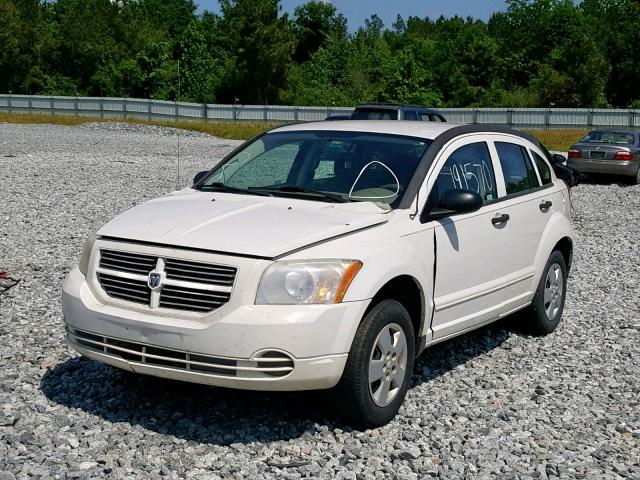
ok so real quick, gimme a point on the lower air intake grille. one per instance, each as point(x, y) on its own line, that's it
point(269, 364)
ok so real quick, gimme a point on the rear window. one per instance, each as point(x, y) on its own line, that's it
point(616, 138)
point(375, 114)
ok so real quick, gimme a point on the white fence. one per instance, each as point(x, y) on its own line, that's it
point(113, 108)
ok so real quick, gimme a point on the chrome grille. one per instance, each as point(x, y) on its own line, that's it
point(182, 298)
point(186, 285)
point(268, 364)
point(127, 262)
point(199, 272)
point(125, 288)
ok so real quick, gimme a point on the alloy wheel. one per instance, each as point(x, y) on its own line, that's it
point(553, 291)
point(387, 364)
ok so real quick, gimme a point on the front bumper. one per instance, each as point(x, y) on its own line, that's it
point(614, 167)
point(233, 350)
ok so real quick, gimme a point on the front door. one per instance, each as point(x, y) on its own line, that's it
point(474, 266)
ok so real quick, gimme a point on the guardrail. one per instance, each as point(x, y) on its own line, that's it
point(150, 109)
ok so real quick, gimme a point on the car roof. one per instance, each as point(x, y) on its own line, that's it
point(397, 106)
point(427, 130)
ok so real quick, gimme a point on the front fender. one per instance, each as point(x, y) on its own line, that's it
point(383, 259)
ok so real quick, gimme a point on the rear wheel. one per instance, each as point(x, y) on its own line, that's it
point(380, 363)
point(548, 302)
point(635, 180)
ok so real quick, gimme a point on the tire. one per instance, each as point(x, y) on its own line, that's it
point(635, 180)
point(356, 399)
point(548, 303)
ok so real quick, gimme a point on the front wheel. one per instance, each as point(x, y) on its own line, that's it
point(379, 367)
point(548, 302)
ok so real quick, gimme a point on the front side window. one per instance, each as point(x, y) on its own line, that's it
point(468, 168)
point(519, 175)
point(323, 165)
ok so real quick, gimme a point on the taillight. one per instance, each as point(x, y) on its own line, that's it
point(574, 153)
point(623, 156)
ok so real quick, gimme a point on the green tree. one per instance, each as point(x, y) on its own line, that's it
point(197, 67)
point(261, 43)
point(315, 25)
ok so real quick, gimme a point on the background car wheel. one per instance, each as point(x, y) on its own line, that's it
point(635, 180)
point(380, 363)
point(548, 302)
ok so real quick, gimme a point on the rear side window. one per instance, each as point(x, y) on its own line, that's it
point(410, 115)
point(519, 175)
point(469, 168)
point(543, 168)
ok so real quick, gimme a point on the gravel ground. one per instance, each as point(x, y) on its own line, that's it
point(492, 404)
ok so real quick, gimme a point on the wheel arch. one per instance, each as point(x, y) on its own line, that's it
point(407, 290)
point(558, 235)
point(565, 247)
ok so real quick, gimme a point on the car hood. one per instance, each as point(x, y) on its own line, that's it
point(241, 224)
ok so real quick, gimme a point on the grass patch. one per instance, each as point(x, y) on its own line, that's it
point(558, 140)
point(44, 118)
point(232, 130)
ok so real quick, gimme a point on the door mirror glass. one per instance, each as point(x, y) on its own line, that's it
point(456, 202)
point(199, 176)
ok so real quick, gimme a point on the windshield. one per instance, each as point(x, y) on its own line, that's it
point(619, 138)
point(323, 165)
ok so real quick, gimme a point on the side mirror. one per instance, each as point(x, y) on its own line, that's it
point(557, 158)
point(199, 176)
point(455, 202)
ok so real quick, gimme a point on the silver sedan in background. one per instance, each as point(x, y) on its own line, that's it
point(613, 151)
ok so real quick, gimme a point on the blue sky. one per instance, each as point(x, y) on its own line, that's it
point(357, 10)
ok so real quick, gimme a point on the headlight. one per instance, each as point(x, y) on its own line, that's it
point(306, 282)
point(86, 253)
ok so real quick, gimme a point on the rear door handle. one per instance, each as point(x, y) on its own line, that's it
point(544, 206)
point(500, 219)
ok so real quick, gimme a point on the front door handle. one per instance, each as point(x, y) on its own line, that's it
point(500, 219)
point(544, 206)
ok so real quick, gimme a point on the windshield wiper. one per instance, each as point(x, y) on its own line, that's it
point(221, 187)
point(304, 191)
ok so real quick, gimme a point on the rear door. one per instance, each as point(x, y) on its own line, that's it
point(529, 200)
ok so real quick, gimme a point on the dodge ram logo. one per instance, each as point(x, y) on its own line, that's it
point(154, 280)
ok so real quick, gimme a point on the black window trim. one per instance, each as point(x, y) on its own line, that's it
point(420, 174)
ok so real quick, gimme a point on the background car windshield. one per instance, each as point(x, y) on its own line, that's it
point(353, 165)
point(621, 138)
point(375, 114)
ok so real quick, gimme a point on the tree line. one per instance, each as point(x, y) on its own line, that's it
point(537, 53)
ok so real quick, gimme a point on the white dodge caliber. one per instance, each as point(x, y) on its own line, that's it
point(328, 256)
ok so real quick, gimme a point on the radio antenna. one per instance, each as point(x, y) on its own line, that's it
point(177, 125)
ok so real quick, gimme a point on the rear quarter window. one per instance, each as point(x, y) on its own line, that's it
point(543, 168)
